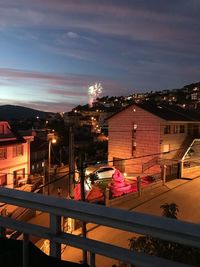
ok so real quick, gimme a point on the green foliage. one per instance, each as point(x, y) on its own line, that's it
point(170, 210)
point(166, 249)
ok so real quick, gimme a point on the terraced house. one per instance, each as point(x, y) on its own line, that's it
point(144, 137)
point(14, 156)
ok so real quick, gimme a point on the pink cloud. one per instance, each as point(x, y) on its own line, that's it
point(70, 79)
point(71, 88)
point(66, 93)
point(75, 80)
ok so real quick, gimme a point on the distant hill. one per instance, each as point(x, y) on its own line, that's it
point(10, 112)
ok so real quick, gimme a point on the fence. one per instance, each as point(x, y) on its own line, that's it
point(163, 228)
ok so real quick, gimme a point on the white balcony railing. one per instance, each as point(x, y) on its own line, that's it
point(167, 229)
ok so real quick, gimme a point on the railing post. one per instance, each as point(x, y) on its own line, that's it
point(163, 173)
point(107, 197)
point(92, 259)
point(139, 185)
point(2, 232)
point(84, 228)
point(3, 229)
point(25, 250)
point(55, 225)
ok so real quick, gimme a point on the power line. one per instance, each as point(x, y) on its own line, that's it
point(144, 156)
point(122, 159)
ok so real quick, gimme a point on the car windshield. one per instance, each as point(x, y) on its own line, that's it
point(104, 170)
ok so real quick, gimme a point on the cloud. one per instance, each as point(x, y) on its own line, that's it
point(154, 21)
point(66, 93)
point(75, 80)
point(72, 35)
point(136, 43)
point(71, 88)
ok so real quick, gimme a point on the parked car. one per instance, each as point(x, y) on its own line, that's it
point(91, 169)
point(103, 173)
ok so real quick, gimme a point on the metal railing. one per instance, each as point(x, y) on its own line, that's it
point(159, 227)
point(147, 165)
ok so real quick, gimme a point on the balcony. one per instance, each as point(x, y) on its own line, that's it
point(163, 228)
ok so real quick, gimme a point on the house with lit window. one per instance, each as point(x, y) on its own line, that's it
point(14, 156)
point(144, 137)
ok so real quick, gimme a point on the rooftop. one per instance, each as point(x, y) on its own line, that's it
point(167, 112)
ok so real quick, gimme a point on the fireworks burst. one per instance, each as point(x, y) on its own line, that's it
point(93, 92)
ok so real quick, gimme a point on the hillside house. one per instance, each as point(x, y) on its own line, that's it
point(14, 156)
point(143, 137)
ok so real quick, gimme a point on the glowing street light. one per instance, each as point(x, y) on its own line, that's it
point(52, 140)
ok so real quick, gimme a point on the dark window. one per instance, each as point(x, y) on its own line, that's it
point(18, 175)
point(1, 129)
point(167, 129)
point(3, 153)
point(18, 150)
point(3, 180)
point(182, 128)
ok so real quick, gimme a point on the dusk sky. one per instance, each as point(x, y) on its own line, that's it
point(52, 50)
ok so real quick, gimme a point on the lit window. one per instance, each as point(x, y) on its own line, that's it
point(135, 126)
point(3, 153)
point(182, 128)
point(18, 150)
point(166, 148)
point(167, 129)
point(134, 145)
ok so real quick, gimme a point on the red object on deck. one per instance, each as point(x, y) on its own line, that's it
point(94, 195)
point(119, 187)
point(77, 192)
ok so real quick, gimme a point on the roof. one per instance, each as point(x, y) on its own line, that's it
point(10, 142)
point(167, 112)
point(10, 136)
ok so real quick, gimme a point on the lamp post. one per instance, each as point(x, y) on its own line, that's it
point(51, 141)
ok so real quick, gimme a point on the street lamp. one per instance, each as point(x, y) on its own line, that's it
point(51, 141)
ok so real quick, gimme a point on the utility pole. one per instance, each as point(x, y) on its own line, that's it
point(49, 167)
point(71, 161)
point(51, 140)
point(84, 229)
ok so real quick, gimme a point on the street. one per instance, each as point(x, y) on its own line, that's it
point(186, 196)
point(63, 181)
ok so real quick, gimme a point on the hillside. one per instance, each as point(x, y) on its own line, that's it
point(10, 112)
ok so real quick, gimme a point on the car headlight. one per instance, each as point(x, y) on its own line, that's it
point(87, 173)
